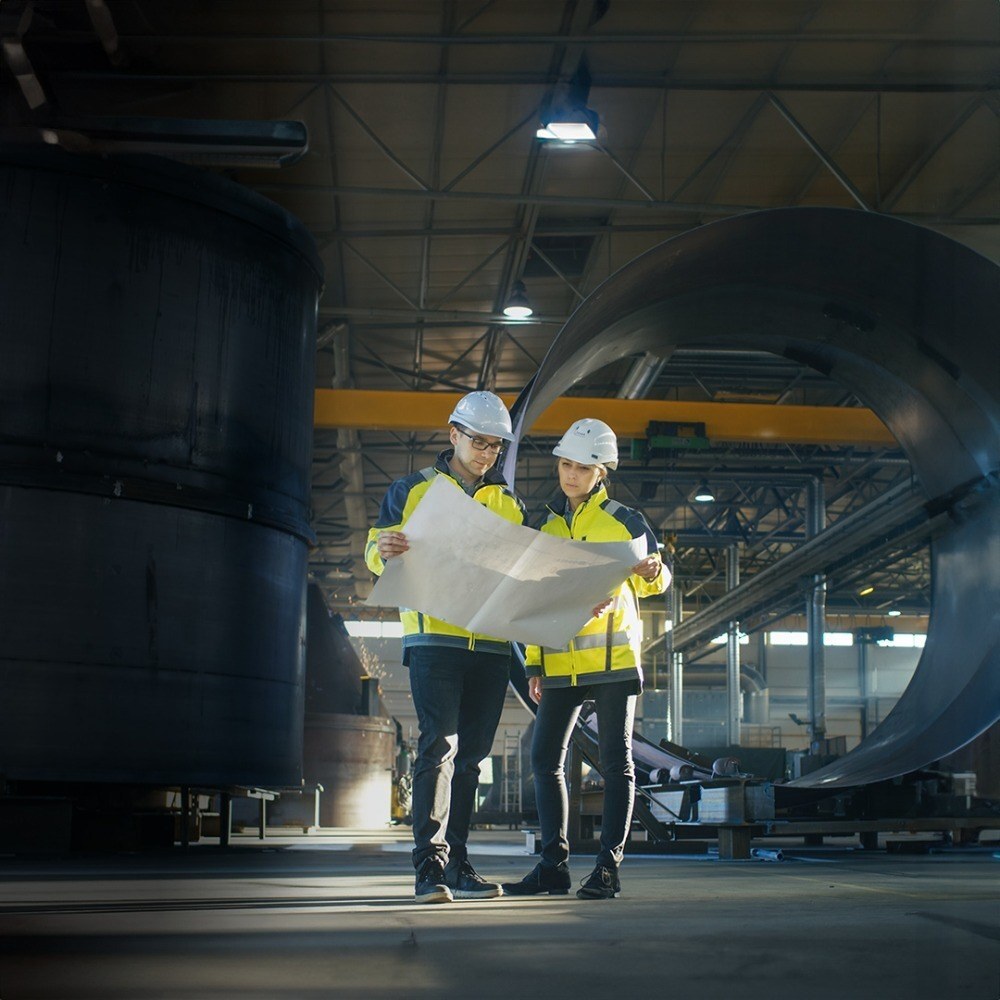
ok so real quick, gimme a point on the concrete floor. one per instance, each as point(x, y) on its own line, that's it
point(332, 916)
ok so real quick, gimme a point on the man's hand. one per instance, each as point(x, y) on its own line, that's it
point(392, 543)
point(535, 689)
point(649, 568)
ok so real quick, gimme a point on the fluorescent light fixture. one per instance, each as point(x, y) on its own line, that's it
point(518, 306)
point(894, 613)
point(569, 124)
point(865, 591)
point(568, 132)
point(704, 493)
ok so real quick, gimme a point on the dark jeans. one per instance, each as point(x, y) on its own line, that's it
point(458, 695)
point(557, 714)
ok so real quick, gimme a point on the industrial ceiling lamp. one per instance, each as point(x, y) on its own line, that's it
point(518, 306)
point(704, 493)
point(569, 125)
point(566, 117)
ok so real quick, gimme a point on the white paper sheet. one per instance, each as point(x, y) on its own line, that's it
point(470, 567)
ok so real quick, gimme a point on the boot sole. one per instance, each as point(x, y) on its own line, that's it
point(467, 894)
point(536, 892)
point(442, 896)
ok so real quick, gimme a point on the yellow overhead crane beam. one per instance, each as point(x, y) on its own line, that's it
point(388, 410)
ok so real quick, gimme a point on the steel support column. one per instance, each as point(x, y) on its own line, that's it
point(864, 688)
point(733, 694)
point(816, 621)
point(676, 662)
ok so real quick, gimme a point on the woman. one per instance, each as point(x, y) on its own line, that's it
point(602, 663)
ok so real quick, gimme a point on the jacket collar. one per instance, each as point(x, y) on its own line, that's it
point(559, 505)
point(491, 478)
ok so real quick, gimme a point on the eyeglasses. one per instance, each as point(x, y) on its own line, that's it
point(481, 444)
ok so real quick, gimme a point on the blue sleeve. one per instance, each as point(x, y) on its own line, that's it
point(391, 512)
point(637, 527)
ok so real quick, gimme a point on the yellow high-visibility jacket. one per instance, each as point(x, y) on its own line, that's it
point(607, 647)
point(398, 504)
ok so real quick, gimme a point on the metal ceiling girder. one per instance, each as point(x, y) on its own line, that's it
point(578, 201)
point(904, 183)
point(104, 27)
point(429, 317)
point(905, 318)
point(824, 157)
point(901, 507)
point(603, 38)
point(639, 80)
point(380, 145)
point(15, 19)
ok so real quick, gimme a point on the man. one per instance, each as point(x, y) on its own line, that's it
point(458, 679)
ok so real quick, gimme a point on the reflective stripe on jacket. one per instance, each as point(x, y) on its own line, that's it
point(607, 647)
point(398, 504)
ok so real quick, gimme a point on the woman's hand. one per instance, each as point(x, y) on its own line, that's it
point(392, 543)
point(648, 569)
point(599, 609)
point(535, 689)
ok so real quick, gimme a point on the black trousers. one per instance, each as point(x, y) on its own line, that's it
point(458, 695)
point(557, 714)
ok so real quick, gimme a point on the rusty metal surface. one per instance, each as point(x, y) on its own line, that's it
point(906, 319)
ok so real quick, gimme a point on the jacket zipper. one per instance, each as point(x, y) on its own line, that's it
point(572, 643)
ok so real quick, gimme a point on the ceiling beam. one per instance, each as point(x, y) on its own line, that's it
point(368, 409)
point(980, 84)
point(574, 201)
point(898, 516)
point(582, 38)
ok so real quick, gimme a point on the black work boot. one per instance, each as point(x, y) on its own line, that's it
point(601, 883)
point(551, 879)
point(466, 883)
point(431, 886)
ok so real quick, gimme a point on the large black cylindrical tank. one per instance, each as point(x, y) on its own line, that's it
point(156, 380)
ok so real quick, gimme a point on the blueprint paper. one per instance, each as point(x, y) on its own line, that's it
point(472, 568)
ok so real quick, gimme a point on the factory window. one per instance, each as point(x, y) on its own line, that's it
point(905, 640)
point(720, 640)
point(838, 639)
point(787, 638)
point(777, 638)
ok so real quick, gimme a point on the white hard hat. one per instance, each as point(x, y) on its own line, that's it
point(483, 413)
point(590, 442)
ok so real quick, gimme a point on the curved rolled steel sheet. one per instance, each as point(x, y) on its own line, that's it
point(905, 318)
point(155, 445)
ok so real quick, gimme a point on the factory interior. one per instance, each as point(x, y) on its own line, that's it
point(253, 254)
